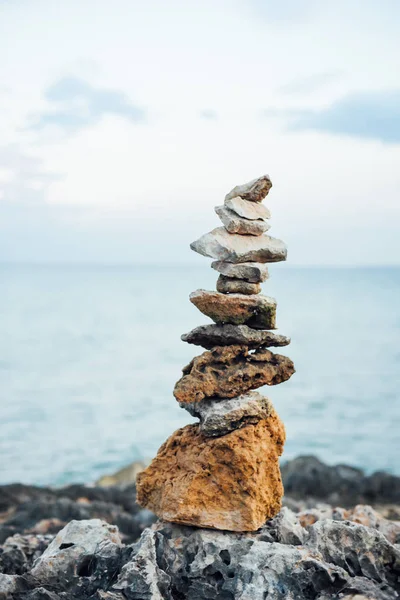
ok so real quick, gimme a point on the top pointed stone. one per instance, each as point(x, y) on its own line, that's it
point(255, 190)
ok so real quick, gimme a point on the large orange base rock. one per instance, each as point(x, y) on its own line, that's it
point(231, 482)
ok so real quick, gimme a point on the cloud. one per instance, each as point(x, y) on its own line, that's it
point(79, 105)
point(312, 83)
point(209, 114)
point(23, 179)
point(369, 115)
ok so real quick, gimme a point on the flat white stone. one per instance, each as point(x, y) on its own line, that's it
point(235, 224)
point(255, 190)
point(234, 248)
point(247, 209)
point(252, 272)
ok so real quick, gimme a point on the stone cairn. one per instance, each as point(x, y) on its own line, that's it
point(223, 472)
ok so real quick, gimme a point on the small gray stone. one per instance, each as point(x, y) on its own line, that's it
point(235, 224)
point(252, 272)
point(234, 248)
point(228, 285)
point(209, 336)
point(247, 210)
point(255, 190)
point(219, 416)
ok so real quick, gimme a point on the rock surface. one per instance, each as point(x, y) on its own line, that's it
point(230, 247)
point(230, 482)
point(230, 371)
point(252, 272)
point(255, 190)
point(236, 224)
point(228, 285)
point(174, 562)
point(212, 335)
point(222, 415)
point(247, 210)
point(256, 311)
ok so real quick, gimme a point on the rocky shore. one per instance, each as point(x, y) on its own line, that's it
point(337, 536)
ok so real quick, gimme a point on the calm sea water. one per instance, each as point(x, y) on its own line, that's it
point(89, 358)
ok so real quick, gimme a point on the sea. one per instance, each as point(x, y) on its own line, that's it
point(89, 356)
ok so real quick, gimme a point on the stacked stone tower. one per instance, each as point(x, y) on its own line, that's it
point(223, 472)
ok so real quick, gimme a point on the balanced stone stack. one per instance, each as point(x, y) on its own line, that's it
point(223, 472)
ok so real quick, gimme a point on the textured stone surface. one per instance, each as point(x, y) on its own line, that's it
point(236, 224)
point(228, 285)
point(226, 372)
point(247, 210)
point(220, 416)
point(230, 482)
point(209, 336)
point(252, 272)
point(71, 554)
point(230, 247)
point(256, 311)
point(255, 190)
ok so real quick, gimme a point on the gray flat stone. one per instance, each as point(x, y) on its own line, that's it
point(252, 272)
point(228, 285)
point(219, 416)
point(209, 336)
point(256, 311)
point(234, 248)
point(255, 190)
point(246, 209)
point(235, 224)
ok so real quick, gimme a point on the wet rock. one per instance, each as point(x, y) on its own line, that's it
point(220, 416)
point(228, 285)
point(230, 482)
point(230, 371)
point(83, 557)
point(209, 336)
point(258, 311)
point(236, 224)
point(247, 210)
point(234, 248)
point(255, 190)
point(252, 272)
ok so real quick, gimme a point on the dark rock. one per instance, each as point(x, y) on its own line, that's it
point(308, 477)
point(213, 335)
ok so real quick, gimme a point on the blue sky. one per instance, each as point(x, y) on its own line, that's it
point(123, 124)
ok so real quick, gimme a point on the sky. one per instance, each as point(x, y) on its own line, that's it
point(122, 125)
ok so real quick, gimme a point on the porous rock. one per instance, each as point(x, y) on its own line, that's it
point(234, 248)
point(228, 285)
point(257, 311)
point(83, 548)
point(236, 224)
point(219, 416)
point(230, 482)
point(229, 371)
point(252, 272)
point(247, 210)
point(212, 335)
point(255, 190)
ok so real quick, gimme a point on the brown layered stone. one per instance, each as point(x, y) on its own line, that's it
point(256, 311)
point(213, 335)
point(230, 482)
point(228, 285)
point(226, 372)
